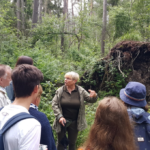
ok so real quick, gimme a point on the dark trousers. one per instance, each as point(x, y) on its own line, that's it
point(72, 136)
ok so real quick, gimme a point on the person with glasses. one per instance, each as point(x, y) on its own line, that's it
point(69, 109)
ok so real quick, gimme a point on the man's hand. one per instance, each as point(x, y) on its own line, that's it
point(62, 121)
point(92, 93)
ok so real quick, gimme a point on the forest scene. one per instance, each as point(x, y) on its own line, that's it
point(107, 42)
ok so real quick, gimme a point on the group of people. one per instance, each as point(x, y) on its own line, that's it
point(119, 124)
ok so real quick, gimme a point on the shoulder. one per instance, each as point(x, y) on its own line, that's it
point(80, 88)
point(28, 124)
point(40, 116)
point(60, 89)
point(1, 94)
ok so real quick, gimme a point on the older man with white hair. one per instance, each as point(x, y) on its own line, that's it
point(5, 78)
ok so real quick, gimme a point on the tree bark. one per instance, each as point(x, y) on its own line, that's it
point(65, 12)
point(35, 13)
point(104, 26)
point(45, 7)
point(18, 15)
point(65, 8)
point(40, 10)
point(22, 15)
point(91, 7)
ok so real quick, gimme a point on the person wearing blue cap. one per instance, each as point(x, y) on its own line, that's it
point(134, 97)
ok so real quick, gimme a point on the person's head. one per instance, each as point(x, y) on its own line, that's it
point(112, 128)
point(24, 60)
point(5, 75)
point(38, 98)
point(71, 78)
point(134, 94)
point(25, 78)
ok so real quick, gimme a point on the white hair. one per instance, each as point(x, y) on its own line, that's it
point(6, 68)
point(74, 75)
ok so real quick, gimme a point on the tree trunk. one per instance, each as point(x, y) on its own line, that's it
point(65, 8)
point(104, 26)
point(72, 8)
point(18, 15)
point(40, 10)
point(22, 15)
point(45, 7)
point(91, 7)
point(65, 12)
point(35, 13)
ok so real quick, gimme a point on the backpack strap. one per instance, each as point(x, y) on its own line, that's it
point(13, 120)
point(1, 108)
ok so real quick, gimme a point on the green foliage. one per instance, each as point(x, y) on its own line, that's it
point(127, 20)
point(120, 20)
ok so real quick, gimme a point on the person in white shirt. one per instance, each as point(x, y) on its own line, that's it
point(5, 78)
point(24, 135)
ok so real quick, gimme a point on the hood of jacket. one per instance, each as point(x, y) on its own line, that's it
point(139, 115)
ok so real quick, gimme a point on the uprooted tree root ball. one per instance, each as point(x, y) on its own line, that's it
point(127, 61)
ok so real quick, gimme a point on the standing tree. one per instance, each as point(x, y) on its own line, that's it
point(35, 13)
point(22, 14)
point(104, 26)
point(40, 10)
point(18, 4)
point(65, 14)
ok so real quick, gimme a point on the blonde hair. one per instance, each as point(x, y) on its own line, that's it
point(74, 75)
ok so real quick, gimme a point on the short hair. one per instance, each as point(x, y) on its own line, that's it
point(40, 91)
point(25, 78)
point(24, 60)
point(74, 75)
point(3, 69)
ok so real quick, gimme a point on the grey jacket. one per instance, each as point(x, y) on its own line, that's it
point(81, 121)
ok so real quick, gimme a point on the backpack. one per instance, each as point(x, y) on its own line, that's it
point(141, 130)
point(12, 121)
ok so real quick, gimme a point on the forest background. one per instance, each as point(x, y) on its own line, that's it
point(69, 35)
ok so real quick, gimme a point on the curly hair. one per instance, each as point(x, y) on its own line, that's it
point(112, 129)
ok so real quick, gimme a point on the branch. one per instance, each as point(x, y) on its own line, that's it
point(119, 59)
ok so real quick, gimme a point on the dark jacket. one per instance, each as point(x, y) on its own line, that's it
point(81, 121)
point(10, 92)
point(46, 130)
point(142, 127)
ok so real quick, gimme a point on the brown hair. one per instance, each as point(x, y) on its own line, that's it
point(112, 129)
point(40, 91)
point(25, 78)
point(24, 60)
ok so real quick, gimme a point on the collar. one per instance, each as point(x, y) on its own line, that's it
point(136, 110)
point(2, 90)
point(65, 88)
point(33, 106)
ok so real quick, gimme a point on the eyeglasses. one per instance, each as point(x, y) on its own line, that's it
point(68, 79)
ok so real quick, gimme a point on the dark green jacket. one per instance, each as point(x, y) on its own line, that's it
point(81, 121)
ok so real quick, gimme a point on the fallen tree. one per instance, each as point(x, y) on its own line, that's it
point(127, 61)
